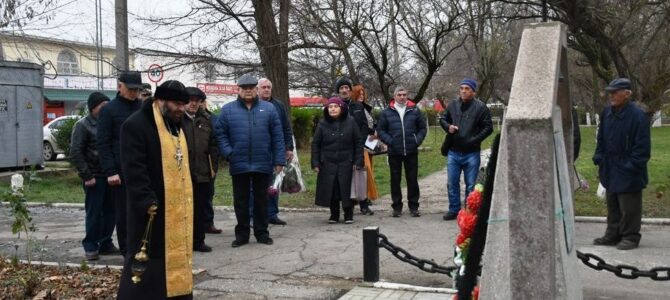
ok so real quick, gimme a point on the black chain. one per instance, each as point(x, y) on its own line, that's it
point(423, 264)
point(623, 271)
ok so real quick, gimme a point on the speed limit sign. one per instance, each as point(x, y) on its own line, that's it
point(155, 73)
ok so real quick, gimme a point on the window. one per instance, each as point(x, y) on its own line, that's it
point(67, 63)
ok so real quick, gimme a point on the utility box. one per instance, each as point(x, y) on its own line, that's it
point(21, 87)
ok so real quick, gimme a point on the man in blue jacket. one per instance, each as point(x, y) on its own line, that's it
point(109, 145)
point(622, 152)
point(402, 128)
point(250, 137)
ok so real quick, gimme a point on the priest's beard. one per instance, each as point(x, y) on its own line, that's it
point(172, 116)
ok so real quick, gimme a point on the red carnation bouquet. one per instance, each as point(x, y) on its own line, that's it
point(467, 219)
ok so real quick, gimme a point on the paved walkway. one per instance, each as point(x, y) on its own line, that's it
point(314, 260)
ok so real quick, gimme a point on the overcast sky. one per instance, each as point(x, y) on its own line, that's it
point(75, 20)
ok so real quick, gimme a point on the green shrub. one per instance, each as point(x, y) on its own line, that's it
point(63, 135)
point(304, 121)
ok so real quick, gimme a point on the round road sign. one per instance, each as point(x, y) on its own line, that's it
point(155, 73)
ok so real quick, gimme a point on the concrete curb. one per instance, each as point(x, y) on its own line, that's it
point(91, 264)
point(580, 219)
point(408, 287)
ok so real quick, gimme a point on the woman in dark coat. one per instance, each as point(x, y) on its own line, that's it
point(336, 149)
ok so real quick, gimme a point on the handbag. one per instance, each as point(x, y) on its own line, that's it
point(359, 185)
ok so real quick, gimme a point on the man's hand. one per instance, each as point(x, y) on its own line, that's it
point(90, 182)
point(316, 169)
point(114, 180)
point(289, 156)
point(152, 209)
point(278, 169)
point(453, 128)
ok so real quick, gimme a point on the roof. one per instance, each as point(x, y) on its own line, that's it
point(73, 95)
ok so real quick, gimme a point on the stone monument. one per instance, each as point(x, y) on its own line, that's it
point(530, 251)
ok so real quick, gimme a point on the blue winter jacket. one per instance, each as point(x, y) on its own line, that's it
point(402, 137)
point(250, 139)
point(623, 149)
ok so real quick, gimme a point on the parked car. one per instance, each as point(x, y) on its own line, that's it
point(50, 149)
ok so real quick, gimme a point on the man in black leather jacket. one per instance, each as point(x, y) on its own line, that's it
point(100, 212)
point(467, 121)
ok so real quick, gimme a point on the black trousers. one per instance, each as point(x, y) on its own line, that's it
point(624, 216)
point(201, 193)
point(210, 205)
point(335, 201)
point(411, 164)
point(119, 194)
point(242, 183)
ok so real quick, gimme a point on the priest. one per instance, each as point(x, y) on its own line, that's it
point(154, 158)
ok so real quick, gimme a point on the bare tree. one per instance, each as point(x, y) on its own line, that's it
point(616, 38)
point(432, 29)
point(17, 13)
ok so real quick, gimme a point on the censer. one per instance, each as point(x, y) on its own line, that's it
point(139, 264)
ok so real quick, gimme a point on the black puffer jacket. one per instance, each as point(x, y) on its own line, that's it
point(83, 151)
point(336, 148)
point(474, 125)
point(402, 137)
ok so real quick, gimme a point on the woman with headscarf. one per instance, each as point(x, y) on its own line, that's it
point(336, 150)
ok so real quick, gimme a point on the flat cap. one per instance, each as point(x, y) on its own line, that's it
point(618, 84)
point(247, 80)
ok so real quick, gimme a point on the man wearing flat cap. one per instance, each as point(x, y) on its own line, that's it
point(467, 122)
point(109, 147)
point(155, 164)
point(622, 152)
point(203, 155)
point(249, 135)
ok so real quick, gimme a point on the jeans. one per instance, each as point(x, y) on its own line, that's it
point(242, 184)
point(411, 163)
point(273, 205)
point(100, 216)
point(458, 162)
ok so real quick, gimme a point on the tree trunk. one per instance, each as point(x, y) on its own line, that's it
point(273, 50)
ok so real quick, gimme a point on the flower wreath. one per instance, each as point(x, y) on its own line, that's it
point(467, 219)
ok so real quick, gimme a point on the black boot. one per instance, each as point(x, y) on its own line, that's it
point(365, 207)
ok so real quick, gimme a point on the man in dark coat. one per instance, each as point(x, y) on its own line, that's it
point(109, 145)
point(336, 149)
point(250, 137)
point(622, 152)
point(467, 122)
point(209, 209)
point(265, 94)
point(100, 216)
point(402, 128)
point(155, 166)
point(203, 157)
point(356, 110)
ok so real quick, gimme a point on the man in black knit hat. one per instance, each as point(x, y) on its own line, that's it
point(99, 205)
point(356, 110)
